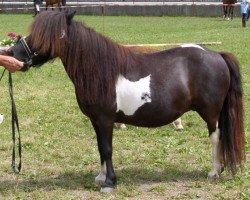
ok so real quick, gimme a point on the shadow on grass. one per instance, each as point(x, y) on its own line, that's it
point(85, 180)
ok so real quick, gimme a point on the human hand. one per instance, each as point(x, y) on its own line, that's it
point(10, 63)
point(15, 64)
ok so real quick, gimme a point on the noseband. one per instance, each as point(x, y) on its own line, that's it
point(27, 48)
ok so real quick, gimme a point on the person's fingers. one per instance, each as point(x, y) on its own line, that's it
point(15, 65)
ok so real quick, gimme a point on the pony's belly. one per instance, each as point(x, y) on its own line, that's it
point(148, 120)
point(137, 106)
point(149, 115)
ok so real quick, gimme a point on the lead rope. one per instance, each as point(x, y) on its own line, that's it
point(15, 126)
point(2, 74)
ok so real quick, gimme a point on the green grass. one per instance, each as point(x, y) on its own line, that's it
point(60, 157)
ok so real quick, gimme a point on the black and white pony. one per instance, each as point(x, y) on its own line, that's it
point(115, 84)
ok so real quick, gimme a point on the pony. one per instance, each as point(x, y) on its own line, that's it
point(113, 83)
point(228, 9)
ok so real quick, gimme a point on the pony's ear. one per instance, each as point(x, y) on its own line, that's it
point(69, 16)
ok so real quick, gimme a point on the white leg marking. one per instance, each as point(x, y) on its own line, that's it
point(100, 179)
point(178, 125)
point(1, 118)
point(132, 95)
point(216, 155)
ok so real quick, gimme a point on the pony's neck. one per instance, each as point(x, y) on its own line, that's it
point(94, 62)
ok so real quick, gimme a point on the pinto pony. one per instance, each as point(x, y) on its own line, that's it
point(113, 83)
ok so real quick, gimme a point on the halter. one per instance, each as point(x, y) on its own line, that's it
point(28, 52)
point(27, 48)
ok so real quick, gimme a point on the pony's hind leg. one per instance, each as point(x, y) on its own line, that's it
point(216, 155)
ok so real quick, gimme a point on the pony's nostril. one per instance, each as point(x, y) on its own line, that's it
point(10, 52)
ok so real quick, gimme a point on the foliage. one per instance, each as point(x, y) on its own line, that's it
point(59, 144)
point(10, 41)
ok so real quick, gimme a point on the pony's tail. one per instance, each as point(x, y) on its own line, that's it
point(231, 126)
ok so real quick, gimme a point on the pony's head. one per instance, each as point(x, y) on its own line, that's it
point(22, 51)
point(48, 39)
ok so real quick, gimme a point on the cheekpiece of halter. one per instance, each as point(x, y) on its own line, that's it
point(29, 53)
point(26, 47)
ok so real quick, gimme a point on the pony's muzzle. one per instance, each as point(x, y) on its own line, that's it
point(10, 52)
point(26, 66)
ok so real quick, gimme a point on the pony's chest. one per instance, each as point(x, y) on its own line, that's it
point(132, 95)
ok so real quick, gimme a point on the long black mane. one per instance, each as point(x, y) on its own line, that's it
point(92, 61)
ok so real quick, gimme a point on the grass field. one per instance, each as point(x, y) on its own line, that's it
point(60, 157)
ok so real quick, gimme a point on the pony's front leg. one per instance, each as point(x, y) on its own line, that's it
point(107, 177)
point(216, 155)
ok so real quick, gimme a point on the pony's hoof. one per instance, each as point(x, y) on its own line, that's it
point(107, 190)
point(179, 128)
point(213, 176)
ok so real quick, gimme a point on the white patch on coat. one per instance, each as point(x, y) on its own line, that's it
point(192, 45)
point(132, 95)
